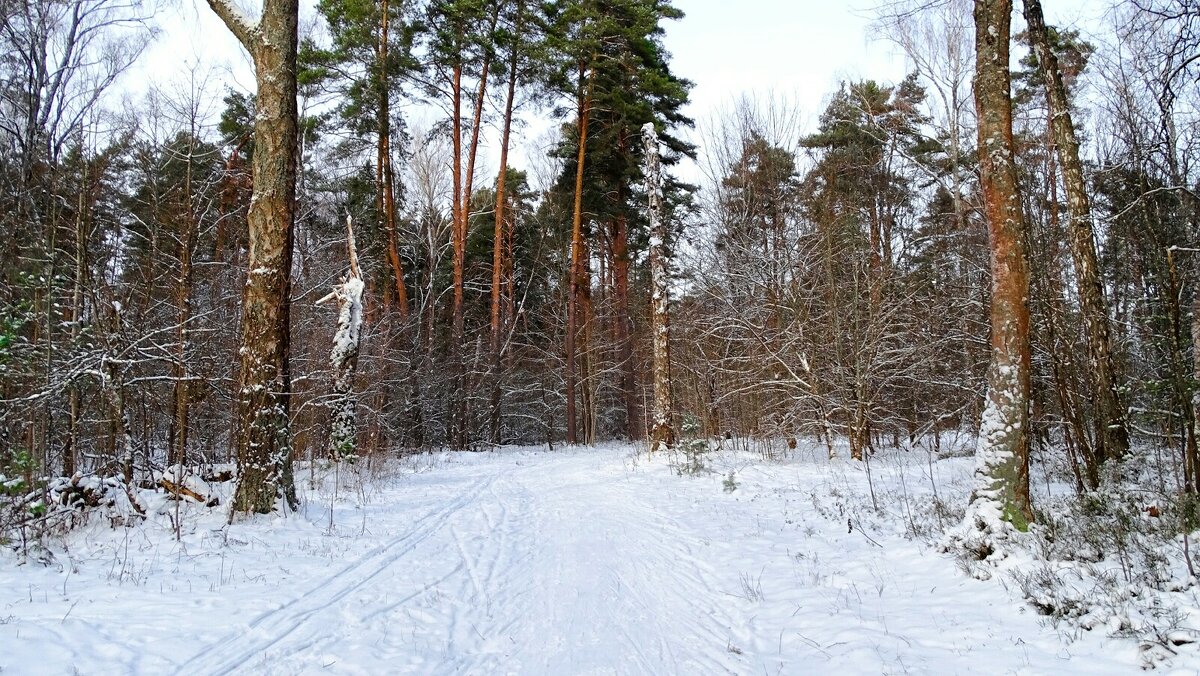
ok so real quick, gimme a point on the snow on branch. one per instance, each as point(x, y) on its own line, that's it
point(243, 27)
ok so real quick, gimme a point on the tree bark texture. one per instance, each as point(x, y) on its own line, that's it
point(662, 428)
point(1111, 432)
point(577, 260)
point(1001, 492)
point(499, 234)
point(265, 443)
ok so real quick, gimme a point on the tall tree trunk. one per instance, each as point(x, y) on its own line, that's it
point(265, 441)
point(74, 404)
point(459, 244)
point(662, 431)
point(183, 298)
point(499, 234)
point(384, 175)
point(577, 258)
point(1112, 434)
point(623, 324)
point(1001, 493)
point(459, 415)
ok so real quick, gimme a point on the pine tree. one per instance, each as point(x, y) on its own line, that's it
point(521, 39)
point(460, 44)
point(369, 55)
point(611, 59)
point(265, 442)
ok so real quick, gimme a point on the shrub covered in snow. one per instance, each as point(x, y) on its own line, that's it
point(1119, 559)
point(32, 508)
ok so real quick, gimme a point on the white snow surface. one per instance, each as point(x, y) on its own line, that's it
point(520, 561)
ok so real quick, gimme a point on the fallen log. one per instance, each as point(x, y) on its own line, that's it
point(180, 492)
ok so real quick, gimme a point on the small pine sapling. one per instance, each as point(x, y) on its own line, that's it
point(693, 446)
point(730, 483)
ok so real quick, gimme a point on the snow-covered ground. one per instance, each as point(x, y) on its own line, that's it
point(585, 561)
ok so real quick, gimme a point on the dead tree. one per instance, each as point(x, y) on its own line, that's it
point(344, 356)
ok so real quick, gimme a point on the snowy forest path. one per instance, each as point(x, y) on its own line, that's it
point(578, 561)
point(551, 566)
point(598, 567)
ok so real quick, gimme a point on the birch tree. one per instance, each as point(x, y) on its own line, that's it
point(662, 429)
point(1111, 434)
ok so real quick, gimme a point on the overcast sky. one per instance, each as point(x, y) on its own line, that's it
point(797, 49)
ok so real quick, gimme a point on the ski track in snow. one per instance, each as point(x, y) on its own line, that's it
point(576, 562)
point(293, 624)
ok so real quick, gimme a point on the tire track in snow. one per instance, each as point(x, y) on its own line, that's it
point(275, 626)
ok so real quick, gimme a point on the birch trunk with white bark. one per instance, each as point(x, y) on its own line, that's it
point(662, 429)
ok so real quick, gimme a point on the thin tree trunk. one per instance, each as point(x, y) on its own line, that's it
point(459, 238)
point(1112, 435)
point(585, 105)
point(184, 300)
point(1184, 390)
point(72, 446)
point(476, 126)
point(623, 323)
point(113, 386)
point(1193, 457)
point(662, 431)
point(1077, 440)
point(1001, 493)
point(465, 186)
point(384, 175)
point(499, 234)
